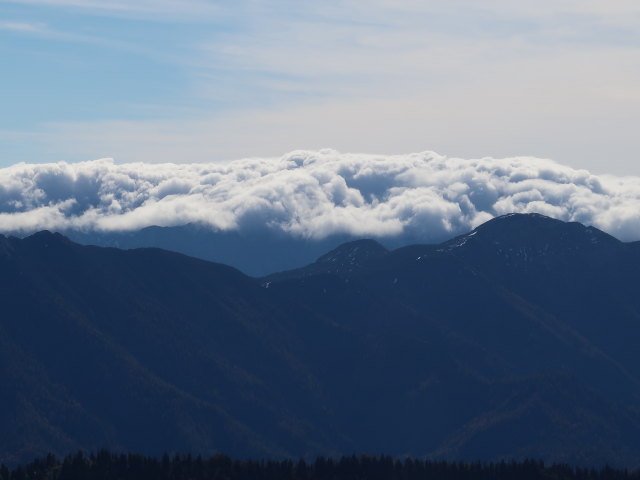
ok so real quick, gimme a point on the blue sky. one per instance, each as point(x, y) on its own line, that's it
point(196, 80)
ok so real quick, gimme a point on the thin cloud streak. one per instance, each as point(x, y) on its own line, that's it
point(150, 9)
point(556, 79)
point(313, 194)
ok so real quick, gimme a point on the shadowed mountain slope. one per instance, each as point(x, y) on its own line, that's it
point(516, 340)
point(151, 351)
point(523, 303)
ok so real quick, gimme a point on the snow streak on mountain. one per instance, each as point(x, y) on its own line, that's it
point(314, 194)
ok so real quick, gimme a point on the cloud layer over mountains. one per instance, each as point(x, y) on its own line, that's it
point(422, 196)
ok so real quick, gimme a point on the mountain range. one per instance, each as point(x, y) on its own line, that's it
point(516, 340)
point(257, 252)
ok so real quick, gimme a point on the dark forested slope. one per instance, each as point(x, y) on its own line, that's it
point(106, 465)
point(517, 340)
point(148, 350)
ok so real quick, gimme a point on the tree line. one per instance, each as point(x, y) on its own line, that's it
point(106, 465)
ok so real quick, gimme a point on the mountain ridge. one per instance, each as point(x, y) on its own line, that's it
point(572, 236)
point(459, 353)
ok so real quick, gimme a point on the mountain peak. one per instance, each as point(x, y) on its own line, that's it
point(354, 253)
point(46, 238)
point(46, 234)
point(527, 227)
point(529, 236)
point(343, 260)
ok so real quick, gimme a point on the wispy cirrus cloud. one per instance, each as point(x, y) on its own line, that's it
point(416, 197)
point(42, 30)
point(21, 27)
point(151, 9)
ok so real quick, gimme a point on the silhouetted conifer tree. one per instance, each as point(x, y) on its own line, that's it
point(104, 465)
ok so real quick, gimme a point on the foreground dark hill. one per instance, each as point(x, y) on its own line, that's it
point(516, 340)
point(148, 350)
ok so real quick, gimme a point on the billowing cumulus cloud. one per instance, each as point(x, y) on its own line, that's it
point(314, 194)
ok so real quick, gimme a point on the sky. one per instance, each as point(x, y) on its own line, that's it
point(195, 81)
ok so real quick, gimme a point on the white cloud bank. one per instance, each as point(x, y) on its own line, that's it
point(313, 194)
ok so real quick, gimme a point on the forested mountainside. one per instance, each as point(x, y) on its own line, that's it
point(514, 341)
